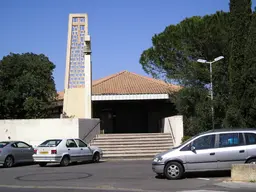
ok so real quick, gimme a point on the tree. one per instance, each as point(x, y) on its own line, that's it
point(173, 58)
point(240, 19)
point(247, 102)
point(27, 88)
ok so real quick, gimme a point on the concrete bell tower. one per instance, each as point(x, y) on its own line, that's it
point(78, 76)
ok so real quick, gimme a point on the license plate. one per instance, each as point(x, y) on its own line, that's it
point(44, 152)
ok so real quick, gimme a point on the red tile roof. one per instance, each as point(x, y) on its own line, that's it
point(129, 83)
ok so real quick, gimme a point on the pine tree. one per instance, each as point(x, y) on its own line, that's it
point(240, 17)
point(248, 100)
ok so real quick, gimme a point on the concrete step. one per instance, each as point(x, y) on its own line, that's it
point(140, 152)
point(131, 145)
point(135, 148)
point(132, 139)
point(129, 156)
point(132, 136)
point(157, 142)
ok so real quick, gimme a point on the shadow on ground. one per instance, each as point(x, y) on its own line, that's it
point(20, 165)
point(73, 164)
point(207, 174)
point(49, 165)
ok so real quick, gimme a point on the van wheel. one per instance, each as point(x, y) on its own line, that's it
point(251, 161)
point(173, 170)
point(65, 161)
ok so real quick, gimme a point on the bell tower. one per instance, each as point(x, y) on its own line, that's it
point(78, 75)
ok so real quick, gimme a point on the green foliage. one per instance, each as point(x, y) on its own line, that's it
point(64, 115)
point(27, 87)
point(185, 138)
point(248, 99)
point(175, 50)
point(240, 20)
point(173, 58)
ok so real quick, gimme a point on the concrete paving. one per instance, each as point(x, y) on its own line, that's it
point(123, 176)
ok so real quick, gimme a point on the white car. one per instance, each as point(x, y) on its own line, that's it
point(65, 151)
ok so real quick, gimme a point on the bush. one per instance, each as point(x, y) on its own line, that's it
point(185, 138)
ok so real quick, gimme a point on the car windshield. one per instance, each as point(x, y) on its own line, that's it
point(3, 144)
point(50, 143)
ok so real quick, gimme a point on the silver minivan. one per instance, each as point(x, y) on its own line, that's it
point(213, 150)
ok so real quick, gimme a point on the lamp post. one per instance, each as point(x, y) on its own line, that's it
point(211, 90)
point(88, 77)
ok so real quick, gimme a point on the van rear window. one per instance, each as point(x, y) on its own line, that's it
point(3, 144)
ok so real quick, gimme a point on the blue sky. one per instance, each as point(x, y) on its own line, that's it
point(120, 29)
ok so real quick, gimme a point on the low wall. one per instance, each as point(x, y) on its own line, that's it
point(35, 131)
point(243, 172)
point(89, 129)
point(174, 125)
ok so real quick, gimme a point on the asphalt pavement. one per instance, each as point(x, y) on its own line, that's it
point(125, 176)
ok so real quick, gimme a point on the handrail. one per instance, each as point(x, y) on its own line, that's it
point(171, 130)
point(91, 130)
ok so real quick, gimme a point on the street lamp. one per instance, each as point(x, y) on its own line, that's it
point(211, 62)
point(88, 77)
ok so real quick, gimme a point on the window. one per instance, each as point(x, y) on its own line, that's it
point(22, 145)
point(3, 144)
point(187, 147)
point(250, 138)
point(231, 139)
point(82, 27)
point(50, 143)
point(71, 143)
point(81, 143)
point(204, 142)
point(74, 28)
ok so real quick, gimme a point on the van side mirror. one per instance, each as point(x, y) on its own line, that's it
point(193, 148)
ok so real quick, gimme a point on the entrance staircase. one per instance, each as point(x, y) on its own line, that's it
point(133, 146)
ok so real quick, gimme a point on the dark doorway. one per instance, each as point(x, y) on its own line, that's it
point(139, 116)
point(107, 121)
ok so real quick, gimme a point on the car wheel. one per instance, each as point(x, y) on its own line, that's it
point(9, 161)
point(251, 161)
point(173, 170)
point(65, 161)
point(42, 164)
point(96, 158)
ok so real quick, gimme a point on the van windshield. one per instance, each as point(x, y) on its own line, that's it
point(50, 143)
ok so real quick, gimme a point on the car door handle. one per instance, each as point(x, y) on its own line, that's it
point(81, 149)
point(69, 149)
point(241, 151)
point(212, 153)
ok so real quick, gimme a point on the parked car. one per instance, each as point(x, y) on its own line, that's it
point(209, 151)
point(13, 152)
point(65, 151)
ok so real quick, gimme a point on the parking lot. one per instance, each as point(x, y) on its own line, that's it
point(103, 176)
